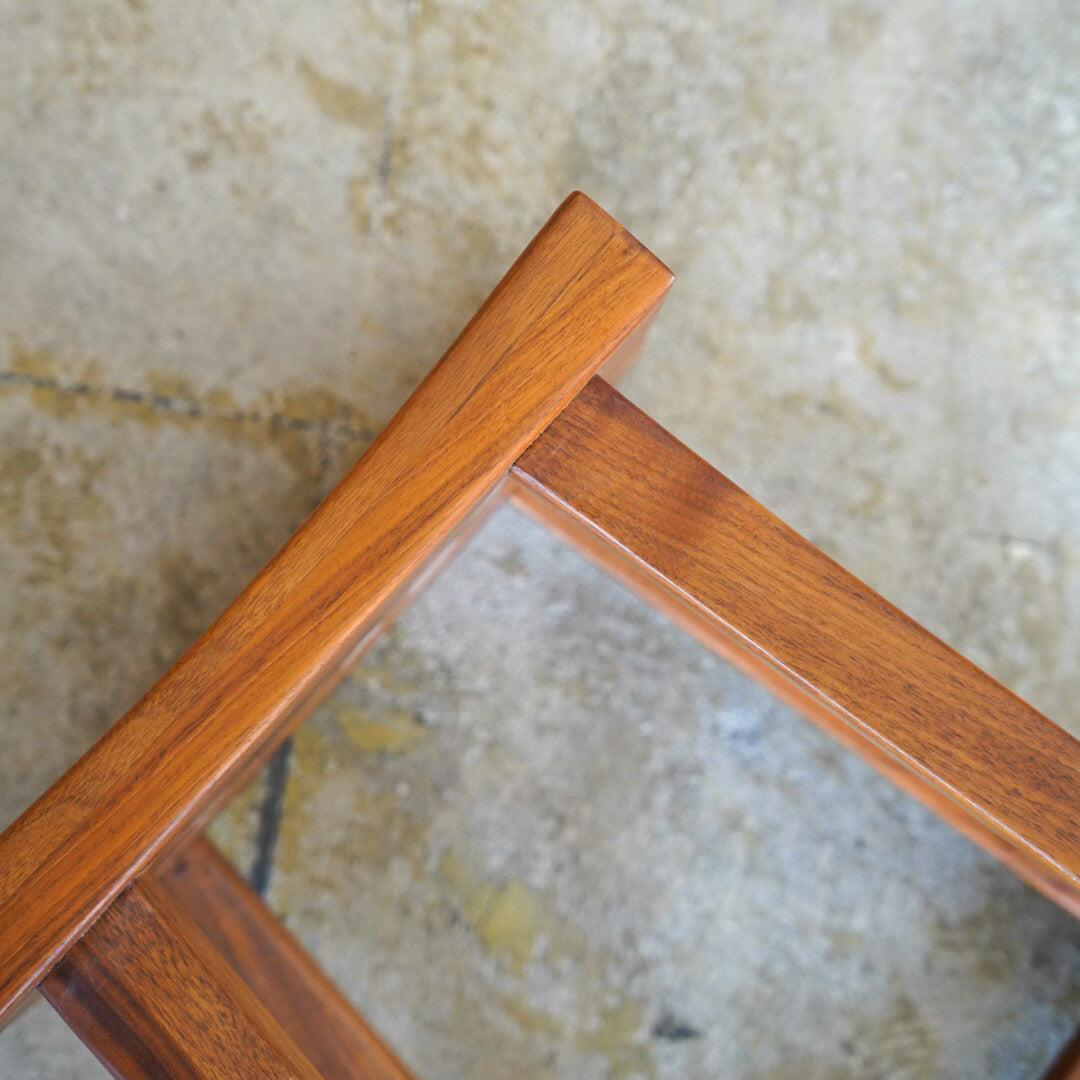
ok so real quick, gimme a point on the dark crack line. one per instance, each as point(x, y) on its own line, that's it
point(393, 104)
point(181, 406)
point(277, 773)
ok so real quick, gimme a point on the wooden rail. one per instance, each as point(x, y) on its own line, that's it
point(332, 1035)
point(150, 996)
point(633, 497)
point(561, 312)
point(161, 958)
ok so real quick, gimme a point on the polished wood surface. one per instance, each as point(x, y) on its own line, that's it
point(702, 625)
point(634, 497)
point(149, 995)
point(558, 315)
point(367, 634)
point(333, 1036)
point(159, 955)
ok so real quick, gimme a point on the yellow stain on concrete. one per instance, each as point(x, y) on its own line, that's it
point(341, 102)
point(359, 198)
point(37, 363)
point(221, 397)
point(74, 389)
point(395, 732)
point(243, 131)
point(529, 1019)
point(314, 404)
point(310, 762)
point(619, 1037)
point(902, 1036)
point(515, 926)
point(897, 1042)
point(511, 924)
point(169, 384)
point(869, 358)
point(391, 668)
point(323, 800)
point(240, 132)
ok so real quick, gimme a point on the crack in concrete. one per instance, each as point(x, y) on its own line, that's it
point(186, 407)
point(394, 96)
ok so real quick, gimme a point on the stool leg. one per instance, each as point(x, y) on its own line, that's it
point(151, 997)
point(309, 1007)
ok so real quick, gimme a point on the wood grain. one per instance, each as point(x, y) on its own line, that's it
point(380, 619)
point(560, 312)
point(151, 998)
point(333, 1036)
point(655, 513)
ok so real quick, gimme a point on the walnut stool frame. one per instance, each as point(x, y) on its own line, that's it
point(159, 956)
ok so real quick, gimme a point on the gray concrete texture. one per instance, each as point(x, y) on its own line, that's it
point(538, 831)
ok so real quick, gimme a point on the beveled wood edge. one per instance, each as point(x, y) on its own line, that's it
point(562, 310)
point(637, 578)
point(367, 635)
point(326, 1027)
point(150, 996)
point(623, 498)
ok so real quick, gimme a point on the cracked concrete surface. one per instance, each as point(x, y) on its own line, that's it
point(179, 406)
point(538, 831)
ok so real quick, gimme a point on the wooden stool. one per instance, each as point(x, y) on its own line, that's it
point(161, 958)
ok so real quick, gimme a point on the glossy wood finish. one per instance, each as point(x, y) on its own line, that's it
point(367, 634)
point(310, 1009)
point(716, 637)
point(151, 998)
point(764, 597)
point(169, 978)
point(561, 311)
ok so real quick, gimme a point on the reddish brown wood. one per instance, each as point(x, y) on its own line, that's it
point(146, 991)
point(717, 638)
point(379, 621)
point(561, 311)
point(333, 1036)
point(153, 994)
point(761, 595)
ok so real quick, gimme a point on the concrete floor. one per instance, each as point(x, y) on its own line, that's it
point(540, 832)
